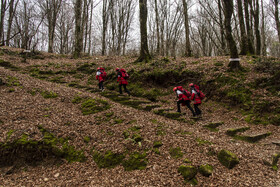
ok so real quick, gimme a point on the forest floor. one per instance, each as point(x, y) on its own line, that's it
point(24, 107)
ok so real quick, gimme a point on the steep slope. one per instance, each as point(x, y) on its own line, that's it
point(54, 93)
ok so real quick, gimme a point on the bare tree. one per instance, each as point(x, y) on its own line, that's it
point(78, 29)
point(228, 11)
point(243, 45)
point(187, 30)
point(144, 50)
point(12, 10)
point(51, 8)
point(276, 16)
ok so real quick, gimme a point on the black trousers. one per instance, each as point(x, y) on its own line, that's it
point(124, 87)
point(197, 110)
point(187, 103)
point(101, 85)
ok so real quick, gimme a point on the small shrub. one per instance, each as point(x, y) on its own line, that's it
point(108, 160)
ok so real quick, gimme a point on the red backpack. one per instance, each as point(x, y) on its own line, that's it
point(124, 74)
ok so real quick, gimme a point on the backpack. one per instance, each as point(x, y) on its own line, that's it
point(124, 74)
point(199, 93)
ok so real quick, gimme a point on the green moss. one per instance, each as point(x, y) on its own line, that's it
point(109, 115)
point(233, 132)
point(36, 150)
point(228, 159)
point(202, 142)
point(206, 170)
point(126, 134)
point(92, 106)
point(219, 64)
point(135, 128)
point(213, 126)
point(160, 130)
point(87, 139)
point(136, 161)
point(8, 65)
point(49, 94)
point(157, 144)
point(108, 160)
point(275, 160)
point(150, 107)
point(11, 90)
point(187, 161)
point(137, 138)
point(188, 172)
point(156, 150)
point(118, 121)
point(87, 68)
point(253, 138)
point(77, 99)
point(176, 152)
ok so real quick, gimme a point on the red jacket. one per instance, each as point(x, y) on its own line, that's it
point(196, 97)
point(182, 94)
point(100, 75)
point(121, 75)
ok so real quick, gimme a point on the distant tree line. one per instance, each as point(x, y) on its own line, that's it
point(144, 28)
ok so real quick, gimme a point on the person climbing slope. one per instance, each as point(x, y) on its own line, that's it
point(100, 76)
point(183, 98)
point(196, 96)
point(122, 77)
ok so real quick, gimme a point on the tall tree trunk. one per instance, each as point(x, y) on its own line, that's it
point(228, 11)
point(243, 45)
point(144, 50)
point(78, 29)
point(248, 27)
point(188, 52)
point(256, 13)
point(104, 26)
point(90, 26)
point(12, 9)
point(157, 28)
point(263, 32)
point(276, 16)
point(223, 44)
point(2, 17)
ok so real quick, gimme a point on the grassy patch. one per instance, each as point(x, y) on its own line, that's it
point(202, 142)
point(92, 106)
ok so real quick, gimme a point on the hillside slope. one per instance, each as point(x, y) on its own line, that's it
point(58, 129)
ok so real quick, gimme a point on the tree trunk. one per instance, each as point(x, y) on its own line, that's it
point(188, 52)
point(78, 29)
point(228, 11)
point(90, 26)
point(223, 44)
point(12, 8)
point(144, 50)
point(248, 27)
point(157, 28)
point(104, 26)
point(3, 10)
point(263, 32)
point(276, 16)
point(243, 45)
point(256, 12)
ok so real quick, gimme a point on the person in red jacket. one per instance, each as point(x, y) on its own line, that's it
point(122, 77)
point(100, 76)
point(196, 96)
point(183, 98)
